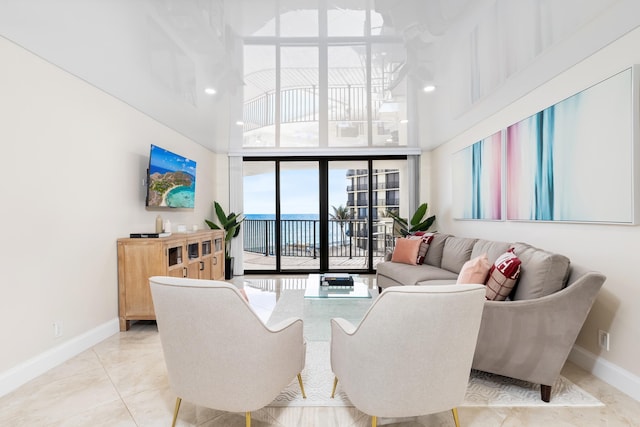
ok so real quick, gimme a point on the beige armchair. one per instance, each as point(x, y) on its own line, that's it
point(218, 353)
point(411, 353)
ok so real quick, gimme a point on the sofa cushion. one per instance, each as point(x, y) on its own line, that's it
point(434, 254)
point(474, 271)
point(425, 240)
point(412, 274)
point(456, 251)
point(491, 248)
point(503, 275)
point(406, 251)
point(542, 273)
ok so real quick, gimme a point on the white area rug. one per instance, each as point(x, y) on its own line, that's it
point(494, 390)
point(484, 389)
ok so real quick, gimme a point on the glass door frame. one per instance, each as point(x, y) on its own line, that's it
point(323, 206)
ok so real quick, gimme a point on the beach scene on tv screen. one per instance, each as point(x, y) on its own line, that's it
point(172, 179)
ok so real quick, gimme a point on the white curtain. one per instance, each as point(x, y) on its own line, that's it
point(236, 205)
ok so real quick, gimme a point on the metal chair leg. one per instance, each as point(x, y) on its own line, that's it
point(175, 411)
point(304, 396)
point(247, 419)
point(374, 421)
point(455, 417)
point(335, 384)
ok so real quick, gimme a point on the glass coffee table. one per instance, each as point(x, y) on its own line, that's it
point(317, 310)
point(315, 290)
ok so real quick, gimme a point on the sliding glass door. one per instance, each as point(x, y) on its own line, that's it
point(348, 214)
point(299, 220)
point(316, 215)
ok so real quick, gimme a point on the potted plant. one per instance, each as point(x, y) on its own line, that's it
point(231, 225)
point(418, 221)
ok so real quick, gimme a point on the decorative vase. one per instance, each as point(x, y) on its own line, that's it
point(228, 268)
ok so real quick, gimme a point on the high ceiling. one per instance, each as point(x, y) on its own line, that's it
point(159, 56)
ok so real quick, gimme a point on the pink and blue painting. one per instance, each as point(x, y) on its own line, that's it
point(573, 161)
point(477, 180)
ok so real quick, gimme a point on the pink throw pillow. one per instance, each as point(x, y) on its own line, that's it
point(406, 251)
point(475, 270)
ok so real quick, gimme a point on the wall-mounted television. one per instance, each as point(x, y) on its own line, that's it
point(171, 180)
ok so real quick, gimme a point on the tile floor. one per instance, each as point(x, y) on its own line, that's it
point(122, 382)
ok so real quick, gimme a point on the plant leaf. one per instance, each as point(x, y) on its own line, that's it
point(222, 217)
point(212, 225)
point(419, 214)
point(424, 225)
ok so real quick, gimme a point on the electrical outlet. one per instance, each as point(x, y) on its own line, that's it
point(603, 339)
point(57, 329)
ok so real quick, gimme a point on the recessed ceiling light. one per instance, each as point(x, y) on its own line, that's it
point(429, 88)
point(403, 121)
point(210, 91)
point(240, 123)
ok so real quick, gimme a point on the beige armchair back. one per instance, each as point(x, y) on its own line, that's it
point(411, 354)
point(218, 353)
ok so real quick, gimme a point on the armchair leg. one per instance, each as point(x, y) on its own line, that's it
point(175, 411)
point(304, 396)
point(335, 384)
point(545, 392)
point(455, 417)
point(247, 419)
point(374, 421)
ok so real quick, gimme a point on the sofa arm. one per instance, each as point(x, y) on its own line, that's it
point(531, 339)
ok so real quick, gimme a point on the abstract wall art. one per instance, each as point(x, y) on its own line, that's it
point(477, 180)
point(573, 161)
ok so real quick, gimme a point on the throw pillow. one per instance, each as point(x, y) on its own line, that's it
point(406, 251)
point(425, 240)
point(474, 271)
point(503, 276)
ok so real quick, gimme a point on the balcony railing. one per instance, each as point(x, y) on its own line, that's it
point(301, 238)
point(300, 104)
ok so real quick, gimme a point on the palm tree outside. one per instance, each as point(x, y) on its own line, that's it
point(341, 214)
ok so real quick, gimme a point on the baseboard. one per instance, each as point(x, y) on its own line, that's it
point(619, 378)
point(32, 368)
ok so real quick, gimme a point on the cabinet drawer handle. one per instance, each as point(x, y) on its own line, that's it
point(215, 260)
point(201, 265)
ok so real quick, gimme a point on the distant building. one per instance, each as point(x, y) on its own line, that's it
point(386, 195)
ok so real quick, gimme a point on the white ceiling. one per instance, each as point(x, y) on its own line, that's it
point(159, 55)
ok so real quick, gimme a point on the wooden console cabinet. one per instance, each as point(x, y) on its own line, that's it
point(198, 255)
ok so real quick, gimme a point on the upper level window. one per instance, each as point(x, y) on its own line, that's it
point(328, 75)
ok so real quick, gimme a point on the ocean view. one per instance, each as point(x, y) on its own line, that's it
point(182, 196)
point(297, 229)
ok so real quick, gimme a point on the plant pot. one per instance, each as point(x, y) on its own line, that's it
point(228, 268)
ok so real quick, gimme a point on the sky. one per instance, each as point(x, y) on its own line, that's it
point(299, 192)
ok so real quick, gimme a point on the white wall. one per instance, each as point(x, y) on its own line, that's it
point(156, 56)
point(611, 249)
point(73, 161)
